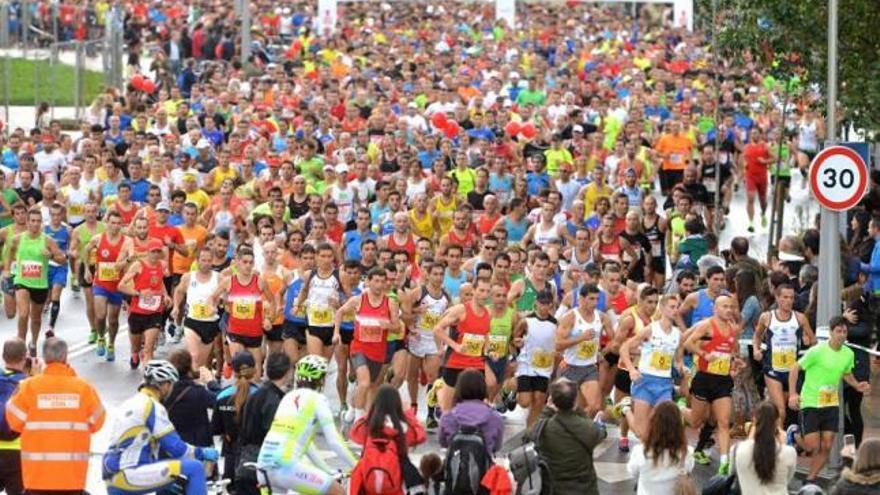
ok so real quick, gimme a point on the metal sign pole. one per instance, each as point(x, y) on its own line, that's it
point(245, 33)
point(828, 303)
point(4, 40)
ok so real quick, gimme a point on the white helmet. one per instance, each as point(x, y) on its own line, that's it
point(311, 368)
point(160, 371)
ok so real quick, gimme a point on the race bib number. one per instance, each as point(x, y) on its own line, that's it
point(497, 345)
point(149, 303)
point(472, 344)
point(372, 334)
point(542, 360)
point(586, 349)
point(75, 210)
point(656, 249)
point(108, 272)
point(783, 357)
point(828, 396)
point(320, 316)
point(348, 316)
point(31, 269)
point(244, 309)
point(675, 158)
point(200, 311)
point(190, 246)
point(709, 182)
point(720, 365)
point(430, 320)
point(661, 361)
point(723, 157)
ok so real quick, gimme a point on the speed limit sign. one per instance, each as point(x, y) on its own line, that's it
point(838, 178)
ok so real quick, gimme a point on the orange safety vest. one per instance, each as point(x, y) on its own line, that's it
point(56, 413)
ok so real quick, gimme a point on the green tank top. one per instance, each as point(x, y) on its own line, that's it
point(500, 329)
point(526, 301)
point(31, 266)
point(10, 233)
point(85, 236)
point(784, 164)
point(393, 336)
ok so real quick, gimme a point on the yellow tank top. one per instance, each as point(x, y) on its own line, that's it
point(220, 176)
point(444, 213)
point(422, 227)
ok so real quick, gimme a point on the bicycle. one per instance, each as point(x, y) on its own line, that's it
point(340, 477)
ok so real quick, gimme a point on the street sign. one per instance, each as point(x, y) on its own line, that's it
point(838, 178)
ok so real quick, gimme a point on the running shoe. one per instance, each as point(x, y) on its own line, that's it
point(93, 337)
point(509, 399)
point(111, 354)
point(623, 444)
point(100, 348)
point(790, 433)
point(724, 468)
point(702, 458)
point(431, 423)
point(751, 227)
point(621, 407)
point(763, 221)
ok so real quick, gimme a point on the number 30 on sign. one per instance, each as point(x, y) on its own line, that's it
point(838, 178)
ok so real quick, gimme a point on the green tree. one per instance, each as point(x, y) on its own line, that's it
point(795, 33)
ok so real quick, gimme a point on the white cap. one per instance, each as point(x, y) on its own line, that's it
point(577, 128)
point(342, 168)
point(513, 75)
point(202, 144)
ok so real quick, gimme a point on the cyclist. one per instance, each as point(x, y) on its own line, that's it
point(288, 460)
point(143, 434)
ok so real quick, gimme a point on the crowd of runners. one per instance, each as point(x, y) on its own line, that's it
point(428, 191)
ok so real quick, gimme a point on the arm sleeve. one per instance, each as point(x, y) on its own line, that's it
point(98, 414)
point(335, 440)
point(17, 408)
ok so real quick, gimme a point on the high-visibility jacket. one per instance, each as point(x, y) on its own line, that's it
point(56, 413)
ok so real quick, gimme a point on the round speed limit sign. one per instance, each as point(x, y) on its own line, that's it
point(838, 178)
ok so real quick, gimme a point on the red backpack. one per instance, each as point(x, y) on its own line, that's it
point(378, 471)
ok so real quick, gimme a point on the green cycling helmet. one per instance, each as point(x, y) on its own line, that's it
point(311, 368)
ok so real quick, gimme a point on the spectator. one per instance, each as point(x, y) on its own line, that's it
point(864, 476)
point(189, 402)
point(256, 419)
point(470, 409)
point(873, 267)
point(567, 442)
point(14, 371)
point(763, 463)
point(82, 415)
point(664, 456)
point(226, 420)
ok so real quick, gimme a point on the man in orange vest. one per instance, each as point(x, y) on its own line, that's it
point(56, 413)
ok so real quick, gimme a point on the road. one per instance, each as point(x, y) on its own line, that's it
point(116, 382)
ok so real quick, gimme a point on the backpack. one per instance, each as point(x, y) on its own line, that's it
point(8, 385)
point(379, 468)
point(530, 470)
point(467, 461)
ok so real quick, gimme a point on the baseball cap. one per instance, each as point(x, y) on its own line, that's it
point(577, 128)
point(329, 168)
point(242, 359)
point(154, 244)
point(203, 143)
point(163, 205)
point(342, 168)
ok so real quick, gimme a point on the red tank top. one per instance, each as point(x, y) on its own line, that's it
point(107, 274)
point(140, 250)
point(610, 250)
point(245, 307)
point(149, 279)
point(127, 215)
point(370, 338)
point(485, 223)
point(409, 246)
point(466, 243)
point(723, 345)
point(472, 331)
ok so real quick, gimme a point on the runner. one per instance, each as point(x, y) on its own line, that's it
point(632, 323)
point(61, 234)
point(320, 299)
point(7, 233)
point(757, 159)
point(499, 348)
point(785, 333)
point(375, 315)
point(250, 305)
point(111, 249)
point(350, 287)
point(464, 329)
point(275, 275)
point(201, 321)
point(577, 338)
point(90, 228)
point(535, 336)
point(295, 322)
point(31, 250)
point(523, 292)
point(660, 349)
point(423, 307)
point(713, 342)
point(143, 283)
point(824, 366)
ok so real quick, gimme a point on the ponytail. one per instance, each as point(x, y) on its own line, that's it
point(243, 379)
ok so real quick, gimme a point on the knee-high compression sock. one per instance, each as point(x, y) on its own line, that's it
point(53, 313)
